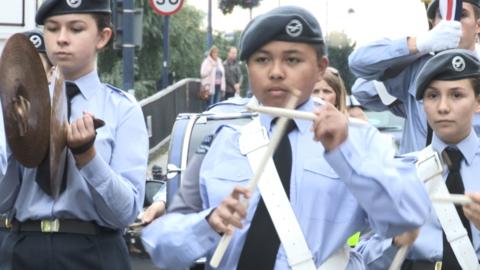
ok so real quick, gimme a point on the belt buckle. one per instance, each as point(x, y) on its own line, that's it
point(438, 265)
point(50, 225)
point(7, 223)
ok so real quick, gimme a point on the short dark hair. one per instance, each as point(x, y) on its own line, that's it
point(104, 20)
point(476, 11)
point(475, 81)
point(320, 50)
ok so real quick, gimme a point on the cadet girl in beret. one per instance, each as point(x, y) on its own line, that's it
point(396, 63)
point(105, 180)
point(36, 37)
point(332, 182)
point(449, 88)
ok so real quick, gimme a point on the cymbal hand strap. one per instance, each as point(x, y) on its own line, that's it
point(84, 147)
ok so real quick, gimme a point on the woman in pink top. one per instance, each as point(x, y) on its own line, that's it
point(213, 76)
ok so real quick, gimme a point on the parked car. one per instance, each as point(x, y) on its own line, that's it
point(387, 123)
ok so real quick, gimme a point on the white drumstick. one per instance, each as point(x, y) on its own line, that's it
point(452, 198)
point(399, 258)
point(294, 114)
point(277, 134)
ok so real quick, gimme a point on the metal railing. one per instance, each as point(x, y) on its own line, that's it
point(161, 109)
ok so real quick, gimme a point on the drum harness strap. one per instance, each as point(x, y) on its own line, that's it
point(429, 170)
point(253, 142)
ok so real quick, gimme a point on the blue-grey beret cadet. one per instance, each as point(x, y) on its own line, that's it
point(57, 7)
point(449, 65)
point(36, 37)
point(286, 23)
point(432, 8)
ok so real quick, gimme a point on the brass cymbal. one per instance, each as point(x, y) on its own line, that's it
point(25, 101)
point(58, 135)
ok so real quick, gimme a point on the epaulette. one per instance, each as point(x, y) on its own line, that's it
point(205, 144)
point(122, 93)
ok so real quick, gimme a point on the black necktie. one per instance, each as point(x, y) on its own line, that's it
point(455, 186)
point(42, 176)
point(72, 91)
point(262, 242)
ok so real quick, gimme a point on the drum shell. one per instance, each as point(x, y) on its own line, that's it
point(187, 134)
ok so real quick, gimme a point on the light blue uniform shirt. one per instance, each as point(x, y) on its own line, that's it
point(378, 252)
point(330, 193)
point(110, 188)
point(375, 62)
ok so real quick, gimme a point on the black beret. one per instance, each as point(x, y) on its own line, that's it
point(448, 65)
point(36, 37)
point(58, 7)
point(286, 23)
point(432, 8)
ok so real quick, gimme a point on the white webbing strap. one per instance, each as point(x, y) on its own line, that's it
point(253, 143)
point(429, 169)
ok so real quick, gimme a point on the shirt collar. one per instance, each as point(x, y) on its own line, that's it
point(88, 84)
point(302, 125)
point(467, 146)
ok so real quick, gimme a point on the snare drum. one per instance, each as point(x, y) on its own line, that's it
point(188, 132)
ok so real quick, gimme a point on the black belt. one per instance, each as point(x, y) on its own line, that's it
point(5, 223)
point(421, 265)
point(60, 226)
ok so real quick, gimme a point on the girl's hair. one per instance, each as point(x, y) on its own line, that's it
point(475, 81)
point(334, 80)
point(104, 20)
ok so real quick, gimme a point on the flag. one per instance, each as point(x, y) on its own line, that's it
point(450, 9)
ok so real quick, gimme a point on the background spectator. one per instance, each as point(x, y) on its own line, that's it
point(213, 76)
point(233, 74)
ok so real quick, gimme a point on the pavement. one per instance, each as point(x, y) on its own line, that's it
point(159, 158)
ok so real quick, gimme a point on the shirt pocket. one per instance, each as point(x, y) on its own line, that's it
point(221, 181)
point(331, 200)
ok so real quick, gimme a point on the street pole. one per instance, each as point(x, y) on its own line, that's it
point(166, 20)
point(128, 46)
point(209, 27)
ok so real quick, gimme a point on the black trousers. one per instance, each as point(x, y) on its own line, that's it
point(3, 236)
point(64, 251)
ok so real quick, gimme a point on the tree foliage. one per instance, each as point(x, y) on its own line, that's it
point(339, 48)
point(226, 6)
point(186, 50)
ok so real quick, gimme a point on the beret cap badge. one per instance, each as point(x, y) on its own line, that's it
point(285, 23)
point(74, 3)
point(448, 65)
point(36, 40)
point(294, 28)
point(458, 63)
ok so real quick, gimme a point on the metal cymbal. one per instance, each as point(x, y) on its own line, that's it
point(25, 101)
point(58, 135)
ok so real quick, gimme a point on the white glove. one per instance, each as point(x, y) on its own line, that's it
point(445, 35)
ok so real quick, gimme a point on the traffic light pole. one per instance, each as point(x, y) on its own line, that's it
point(128, 46)
point(209, 27)
point(166, 22)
